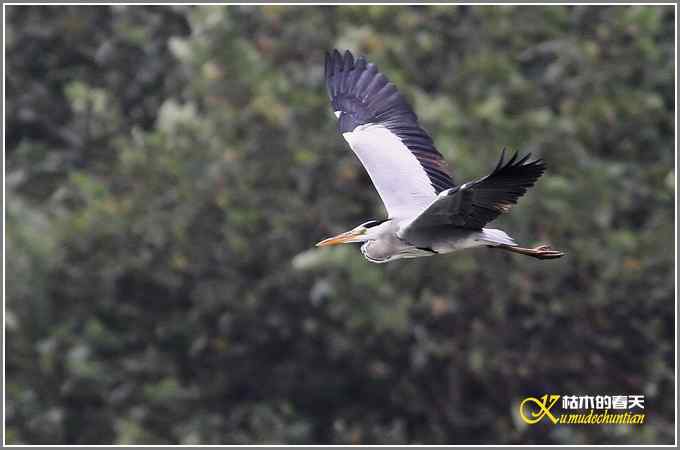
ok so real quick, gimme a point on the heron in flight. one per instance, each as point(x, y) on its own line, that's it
point(428, 213)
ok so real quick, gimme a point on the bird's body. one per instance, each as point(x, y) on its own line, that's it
point(390, 243)
point(428, 213)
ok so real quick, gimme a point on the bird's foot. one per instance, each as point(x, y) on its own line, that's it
point(540, 252)
point(545, 252)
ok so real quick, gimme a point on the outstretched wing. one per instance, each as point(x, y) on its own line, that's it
point(382, 130)
point(472, 205)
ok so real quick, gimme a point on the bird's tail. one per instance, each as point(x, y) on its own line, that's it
point(496, 237)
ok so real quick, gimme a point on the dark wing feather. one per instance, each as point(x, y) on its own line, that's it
point(472, 205)
point(362, 95)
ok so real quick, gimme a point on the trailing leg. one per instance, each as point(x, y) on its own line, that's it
point(540, 252)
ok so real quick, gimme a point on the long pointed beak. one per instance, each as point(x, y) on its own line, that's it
point(339, 239)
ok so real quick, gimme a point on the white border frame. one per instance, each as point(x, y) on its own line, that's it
point(4, 40)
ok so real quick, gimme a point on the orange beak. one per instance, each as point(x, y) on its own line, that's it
point(339, 239)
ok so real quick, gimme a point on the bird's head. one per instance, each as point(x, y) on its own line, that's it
point(365, 232)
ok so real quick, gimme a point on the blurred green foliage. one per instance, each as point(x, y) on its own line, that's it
point(170, 168)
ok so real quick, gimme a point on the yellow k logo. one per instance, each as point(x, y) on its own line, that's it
point(544, 405)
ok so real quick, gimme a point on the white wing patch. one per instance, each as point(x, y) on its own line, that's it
point(397, 175)
point(337, 114)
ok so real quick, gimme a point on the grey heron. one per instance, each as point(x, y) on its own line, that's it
point(428, 213)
